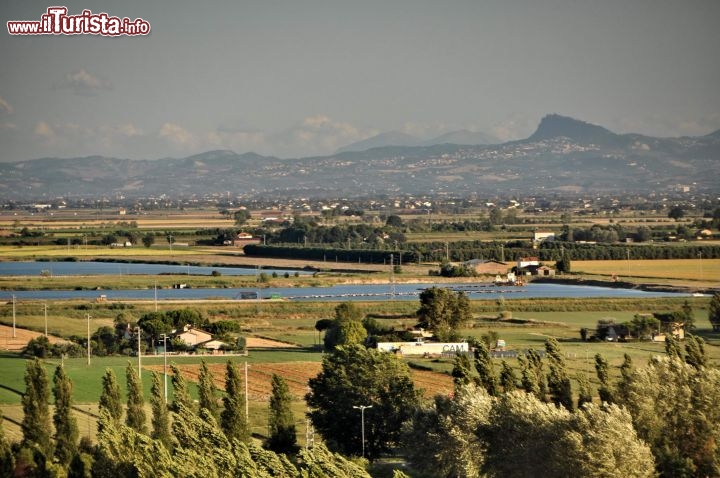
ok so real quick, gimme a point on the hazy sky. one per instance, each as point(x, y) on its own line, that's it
point(295, 78)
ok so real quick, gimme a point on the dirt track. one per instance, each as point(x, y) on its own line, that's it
point(22, 337)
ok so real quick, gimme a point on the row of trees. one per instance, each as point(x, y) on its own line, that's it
point(660, 418)
point(185, 438)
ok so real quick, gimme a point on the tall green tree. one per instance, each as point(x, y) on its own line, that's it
point(233, 420)
point(584, 390)
point(110, 400)
point(36, 409)
point(695, 354)
point(346, 329)
point(353, 376)
point(135, 417)
point(443, 312)
point(603, 375)
point(672, 346)
point(508, 380)
point(181, 393)
point(674, 409)
point(533, 374)
point(485, 369)
point(714, 312)
point(206, 391)
point(281, 421)
point(462, 371)
point(558, 380)
point(66, 429)
point(160, 414)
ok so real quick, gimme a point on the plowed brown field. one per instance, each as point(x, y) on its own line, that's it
point(297, 374)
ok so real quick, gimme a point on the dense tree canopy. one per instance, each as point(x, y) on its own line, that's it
point(443, 312)
point(355, 376)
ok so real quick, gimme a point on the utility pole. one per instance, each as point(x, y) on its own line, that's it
point(155, 295)
point(164, 337)
point(247, 409)
point(139, 333)
point(392, 278)
point(362, 423)
point(88, 338)
point(13, 303)
point(45, 307)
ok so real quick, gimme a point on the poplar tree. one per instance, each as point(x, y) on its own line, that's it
point(533, 378)
point(206, 391)
point(584, 390)
point(461, 372)
point(232, 419)
point(160, 416)
point(508, 381)
point(110, 397)
point(603, 375)
point(181, 394)
point(558, 380)
point(135, 416)
point(281, 422)
point(485, 369)
point(672, 347)
point(66, 429)
point(36, 420)
point(695, 352)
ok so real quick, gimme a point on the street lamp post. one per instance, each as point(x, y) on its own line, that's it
point(164, 337)
point(362, 424)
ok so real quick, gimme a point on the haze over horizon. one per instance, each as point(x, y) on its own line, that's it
point(295, 79)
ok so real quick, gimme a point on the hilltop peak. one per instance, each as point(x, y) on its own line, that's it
point(554, 125)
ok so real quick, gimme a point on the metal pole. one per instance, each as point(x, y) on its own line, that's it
point(139, 330)
point(88, 339)
point(13, 302)
point(362, 424)
point(164, 336)
point(247, 410)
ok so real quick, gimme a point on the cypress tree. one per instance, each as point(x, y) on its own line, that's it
point(135, 416)
point(461, 372)
point(66, 429)
point(485, 369)
point(558, 380)
point(672, 347)
point(160, 416)
point(36, 420)
point(508, 381)
point(181, 394)
point(695, 349)
point(206, 391)
point(603, 375)
point(584, 390)
point(626, 371)
point(110, 397)
point(232, 419)
point(281, 422)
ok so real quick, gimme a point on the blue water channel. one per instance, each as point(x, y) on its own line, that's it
point(366, 292)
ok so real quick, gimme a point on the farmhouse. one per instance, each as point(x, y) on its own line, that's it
point(193, 337)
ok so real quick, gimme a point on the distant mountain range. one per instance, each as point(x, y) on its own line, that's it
point(562, 155)
point(396, 138)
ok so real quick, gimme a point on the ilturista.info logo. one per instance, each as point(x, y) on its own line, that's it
point(57, 22)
